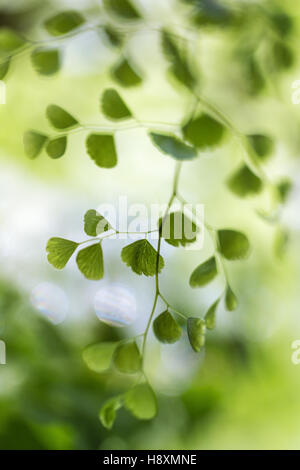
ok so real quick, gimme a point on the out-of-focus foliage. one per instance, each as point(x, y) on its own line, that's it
point(148, 63)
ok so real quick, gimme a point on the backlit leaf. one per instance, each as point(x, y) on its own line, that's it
point(204, 273)
point(179, 68)
point(233, 244)
point(101, 148)
point(262, 144)
point(166, 328)
point(10, 41)
point(98, 357)
point(171, 145)
point(141, 257)
point(108, 411)
point(46, 61)
point(203, 132)
point(4, 67)
point(34, 143)
point(127, 358)
point(125, 74)
point(113, 105)
point(210, 316)
point(196, 329)
point(230, 300)
point(59, 118)
point(141, 401)
point(95, 223)
point(124, 8)
point(90, 262)
point(284, 188)
point(115, 38)
point(60, 251)
point(178, 229)
point(244, 182)
point(64, 22)
point(56, 147)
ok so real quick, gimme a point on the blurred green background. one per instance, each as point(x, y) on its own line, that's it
point(243, 390)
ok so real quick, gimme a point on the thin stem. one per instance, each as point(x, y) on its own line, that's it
point(157, 291)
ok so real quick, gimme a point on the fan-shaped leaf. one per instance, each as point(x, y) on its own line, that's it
point(34, 143)
point(127, 358)
point(262, 144)
point(64, 22)
point(4, 67)
point(171, 145)
point(244, 182)
point(178, 229)
point(56, 147)
point(113, 105)
point(101, 148)
point(210, 316)
point(166, 328)
point(141, 401)
point(115, 38)
point(59, 118)
point(230, 300)
point(98, 356)
point(233, 245)
point(123, 8)
point(60, 251)
point(90, 262)
point(141, 257)
point(125, 74)
point(203, 132)
point(179, 68)
point(284, 188)
point(108, 411)
point(9, 41)
point(46, 61)
point(204, 273)
point(196, 332)
point(95, 223)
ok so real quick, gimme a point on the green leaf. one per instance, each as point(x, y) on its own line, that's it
point(282, 55)
point(90, 262)
point(196, 328)
point(284, 188)
point(171, 145)
point(10, 41)
point(60, 251)
point(125, 74)
point(113, 106)
point(101, 148)
point(230, 300)
point(115, 38)
point(46, 61)
point(204, 273)
point(180, 68)
point(34, 143)
point(141, 257)
point(255, 81)
point(4, 67)
point(203, 132)
point(210, 316)
point(108, 411)
point(141, 401)
point(59, 118)
point(64, 22)
point(98, 357)
point(166, 328)
point(244, 182)
point(178, 229)
point(262, 144)
point(127, 358)
point(95, 223)
point(56, 147)
point(123, 8)
point(233, 245)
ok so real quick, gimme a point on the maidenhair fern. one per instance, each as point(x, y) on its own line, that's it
point(203, 128)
